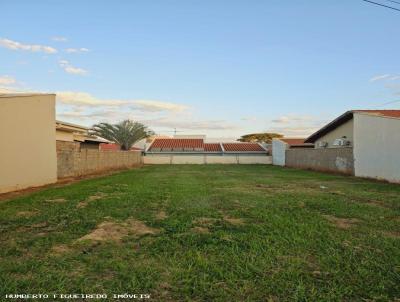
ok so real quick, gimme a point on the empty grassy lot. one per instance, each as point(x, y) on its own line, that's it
point(206, 233)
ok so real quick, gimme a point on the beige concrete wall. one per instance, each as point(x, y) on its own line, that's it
point(160, 159)
point(327, 160)
point(73, 162)
point(347, 129)
point(64, 136)
point(27, 141)
point(377, 147)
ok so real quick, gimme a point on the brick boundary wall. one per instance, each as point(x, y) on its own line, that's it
point(73, 162)
point(338, 160)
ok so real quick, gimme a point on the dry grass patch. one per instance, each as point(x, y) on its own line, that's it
point(234, 221)
point(205, 221)
point(60, 249)
point(91, 198)
point(115, 231)
point(161, 215)
point(341, 223)
point(395, 235)
point(27, 213)
point(200, 230)
point(56, 200)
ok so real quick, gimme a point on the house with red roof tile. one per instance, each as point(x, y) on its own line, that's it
point(366, 142)
point(197, 150)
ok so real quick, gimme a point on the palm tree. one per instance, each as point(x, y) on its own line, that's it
point(125, 133)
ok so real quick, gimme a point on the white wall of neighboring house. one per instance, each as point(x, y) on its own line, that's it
point(278, 152)
point(28, 141)
point(377, 147)
point(346, 129)
point(157, 159)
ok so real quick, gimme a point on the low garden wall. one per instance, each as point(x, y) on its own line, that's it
point(340, 160)
point(201, 159)
point(73, 162)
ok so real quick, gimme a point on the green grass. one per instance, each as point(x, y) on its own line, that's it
point(298, 236)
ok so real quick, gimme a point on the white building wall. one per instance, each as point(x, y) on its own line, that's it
point(377, 147)
point(345, 129)
point(278, 152)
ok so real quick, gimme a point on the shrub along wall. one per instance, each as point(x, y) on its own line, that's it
point(339, 160)
point(73, 162)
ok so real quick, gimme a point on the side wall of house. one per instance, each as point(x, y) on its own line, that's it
point(27, 142)
point(338, 160)
point(346, 129)
point(377, 147)
point(278, 152)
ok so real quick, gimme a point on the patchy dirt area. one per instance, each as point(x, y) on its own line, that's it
point(94, 197)
point(60, 249)
point(342, 223)
point(234, 221)
point(161, 215)
point(115, 231)
point(56, 200)
point(205, 221)
point(395, 235)
point(27, 213)
point(200, 230)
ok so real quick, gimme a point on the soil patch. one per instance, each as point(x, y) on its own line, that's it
point(27, 213)
point(161, 215)
point(395, 235)
point(200, 230)
point(234, 221)
point(342, 223)
point(56, 200)
point(91, 198)
point(115, 231)
point(205, 221)
point(60, 249)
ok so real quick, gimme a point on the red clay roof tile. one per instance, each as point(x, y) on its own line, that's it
point(242, 147)
point(214, 147)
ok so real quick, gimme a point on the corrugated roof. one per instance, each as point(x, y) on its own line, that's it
point(243, 147)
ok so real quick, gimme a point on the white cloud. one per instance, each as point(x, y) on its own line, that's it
point(68, 68)
point(7, 80)
point(171, 122)
point(28, 47)
point(294, 125)
point(88, 100)
point(60, 39)
point(287, 119)
point(76, 50)
point(249, 118)
point(148, 105)
point(379, 77)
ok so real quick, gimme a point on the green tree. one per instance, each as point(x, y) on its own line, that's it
point(259, 137)
point(125, 133)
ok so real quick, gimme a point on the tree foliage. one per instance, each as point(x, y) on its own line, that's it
point(125, 133)
point(259, 137)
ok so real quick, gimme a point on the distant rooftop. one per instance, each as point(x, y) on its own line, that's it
point(166, 145)
point(13, 95)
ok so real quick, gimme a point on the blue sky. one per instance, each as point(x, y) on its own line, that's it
point(223, 68)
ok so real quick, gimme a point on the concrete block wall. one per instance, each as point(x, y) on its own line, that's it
point(72, 162)
point(340, 160)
